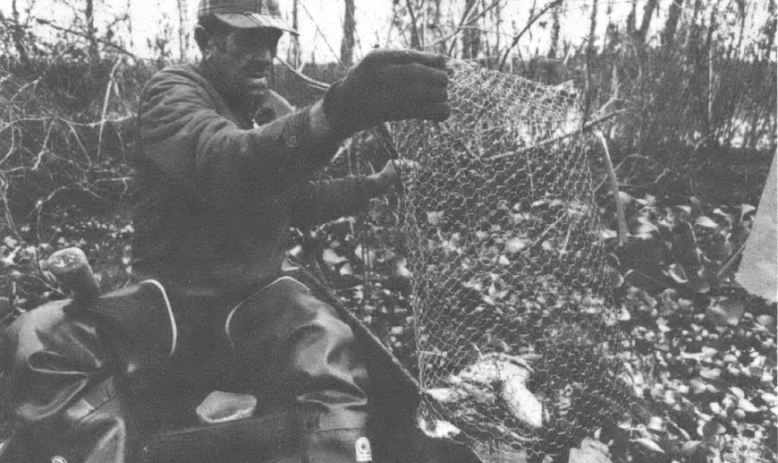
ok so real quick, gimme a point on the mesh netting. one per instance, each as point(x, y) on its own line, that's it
point(515, 332)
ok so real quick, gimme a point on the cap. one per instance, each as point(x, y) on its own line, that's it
point(245, 14)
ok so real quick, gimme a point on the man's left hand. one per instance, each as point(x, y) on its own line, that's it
point(389, 85)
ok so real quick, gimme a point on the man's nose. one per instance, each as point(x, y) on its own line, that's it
point(262, 54)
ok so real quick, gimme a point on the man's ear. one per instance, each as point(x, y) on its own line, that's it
point(202, 37)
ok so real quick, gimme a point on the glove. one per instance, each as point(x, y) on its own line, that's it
point(388, 85)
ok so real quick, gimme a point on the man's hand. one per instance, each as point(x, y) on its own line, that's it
point(389, 85)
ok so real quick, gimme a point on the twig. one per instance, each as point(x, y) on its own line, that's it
point(39, 156)
point(730, 262)
point(614, 187)
point(616, 169)
point(465, 18)
point(526, 28)
point(78, 139)
point(80, 34)
point(464, 23)
point(539, 240)
point(324, 37)
point(106, 99)
point(312, 82)
point(586, 127)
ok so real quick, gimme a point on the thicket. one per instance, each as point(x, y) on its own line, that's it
point(692, 135)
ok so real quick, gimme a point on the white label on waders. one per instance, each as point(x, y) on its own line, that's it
point(362, 446)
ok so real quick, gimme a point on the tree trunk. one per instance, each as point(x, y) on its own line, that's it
point(347, 45)
point(631, 18)
point(589, 84)
point(295, 53)
point(94, 52)
point(437, 27)
point(709, 51)
point(693, 32)
point(668, 36)
point(183, 33)
point(648, 14)
point(555, 29)
point(18, 36)
point(129, 24)
point(471, 37)
point(497, 27)
point(592, 29)
point(415, 39)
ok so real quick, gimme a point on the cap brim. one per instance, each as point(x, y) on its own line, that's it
point(253, 20)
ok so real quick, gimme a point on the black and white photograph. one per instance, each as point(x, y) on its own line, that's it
point(388, 231)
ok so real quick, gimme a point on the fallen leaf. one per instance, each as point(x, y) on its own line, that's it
point(656, 423)
point(746, 209)
point(739, 393)
point(524, 405)
point(767, 321)
point(514, 245)
point(441, 429)
point(690, 448)
point(590, 452)
point(676, 272)
point(747, 406)
point(683, 208)
point(649, 444)
point(444, 394)
point(710, 373)
point(726, 311)
point(705, 222)
point(331, 258)
point(434, 218)
point(345, 270)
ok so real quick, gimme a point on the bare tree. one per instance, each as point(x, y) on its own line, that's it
point(555, 29)
point(129, 24)
point(415, 35)
point(589, 90)
point(631, 18)
point(17, 32)
point(648, 14)
point(471, 36)
point(436, 27)
point(89, 14)
point(668, 36)
point(183, 32)
point(294, 55)
point(349, 25)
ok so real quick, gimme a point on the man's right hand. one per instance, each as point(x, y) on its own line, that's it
point(389, 85)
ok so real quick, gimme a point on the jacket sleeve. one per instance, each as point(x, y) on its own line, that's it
point(184, 136)
point(315, 203)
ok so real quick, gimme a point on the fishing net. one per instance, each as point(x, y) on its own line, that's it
point(517, 340)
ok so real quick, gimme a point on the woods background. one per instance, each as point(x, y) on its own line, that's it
point(695, 86)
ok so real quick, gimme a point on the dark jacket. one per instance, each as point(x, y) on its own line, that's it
point(218, 194)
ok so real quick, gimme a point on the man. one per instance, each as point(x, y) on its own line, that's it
point(221, 191)
point(224, 167)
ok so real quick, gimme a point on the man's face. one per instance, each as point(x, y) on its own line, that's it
point(241, 60)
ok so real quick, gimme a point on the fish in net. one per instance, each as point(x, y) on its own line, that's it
point(516, 334)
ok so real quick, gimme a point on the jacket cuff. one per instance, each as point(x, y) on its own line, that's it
point(297, 137)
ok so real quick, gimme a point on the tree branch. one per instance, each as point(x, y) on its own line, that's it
point(118, 48)
point(526, 28)
point(586, 127)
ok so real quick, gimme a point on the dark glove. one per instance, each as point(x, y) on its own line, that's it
point(388, 85)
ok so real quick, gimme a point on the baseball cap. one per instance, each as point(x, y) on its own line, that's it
point(245, 14)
